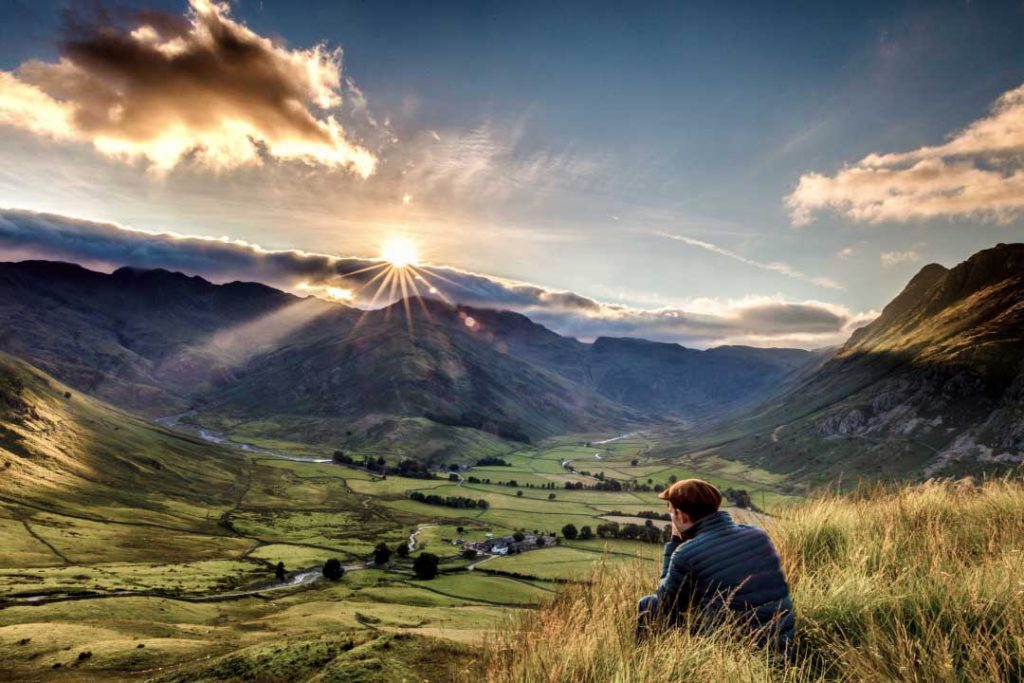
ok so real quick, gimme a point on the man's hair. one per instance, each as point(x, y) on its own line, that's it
point(695, 497)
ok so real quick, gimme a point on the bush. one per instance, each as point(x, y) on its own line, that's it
point(381, 554)
point(914, 584)
point(402, 550)
point(425, 566)
point(469, 553)
point(333, 571)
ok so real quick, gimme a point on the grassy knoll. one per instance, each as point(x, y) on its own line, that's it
point(914, 584)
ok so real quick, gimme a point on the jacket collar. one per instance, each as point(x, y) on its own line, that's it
point(715, 521)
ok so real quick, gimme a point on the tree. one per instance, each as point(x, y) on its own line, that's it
point(551, 496)
point(333, 571)
point(460, 530)
point(634, 462)
point(570, 532)
point(381, 554)
point(402, 550)
point(519, 494)
point(586, 533)
point(279, 573)
point(469, 553)
point(518, 536)
point(540, 541)
point(425, 566)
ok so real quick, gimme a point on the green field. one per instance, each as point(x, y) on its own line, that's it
point(155, 551)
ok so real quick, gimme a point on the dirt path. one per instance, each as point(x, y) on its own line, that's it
point(42, 540)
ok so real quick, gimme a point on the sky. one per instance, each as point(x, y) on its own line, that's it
point(708, 173)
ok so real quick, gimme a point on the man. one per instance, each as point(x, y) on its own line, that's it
point(719, 569)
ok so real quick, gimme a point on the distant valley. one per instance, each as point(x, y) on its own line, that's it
point(933, 385)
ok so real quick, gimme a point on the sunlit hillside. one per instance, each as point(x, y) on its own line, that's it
point(915, 584)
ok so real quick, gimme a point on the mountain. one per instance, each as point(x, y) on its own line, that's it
point(142, 339)
point(62, 450)
point(159, 343)
point(934, 385)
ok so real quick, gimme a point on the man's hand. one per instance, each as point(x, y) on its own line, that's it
point(680, 523)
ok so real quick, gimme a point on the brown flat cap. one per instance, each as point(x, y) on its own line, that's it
point(696, 497)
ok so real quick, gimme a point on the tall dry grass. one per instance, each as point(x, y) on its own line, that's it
point(923, 583)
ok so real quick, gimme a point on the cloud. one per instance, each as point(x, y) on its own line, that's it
point(978, 173)
point(491, 162)
point(203, 88)
point(894, 258)
point(846, 252)
point(700, 322)
point(773, 266)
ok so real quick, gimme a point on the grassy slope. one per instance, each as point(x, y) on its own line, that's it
point(95, 503)
point(912, 584)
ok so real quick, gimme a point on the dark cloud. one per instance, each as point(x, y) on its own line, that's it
point(761, 320)
point(202, 87)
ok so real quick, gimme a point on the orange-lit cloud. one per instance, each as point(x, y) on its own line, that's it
point(203, 88)
point(978, 172)
point(699, 322)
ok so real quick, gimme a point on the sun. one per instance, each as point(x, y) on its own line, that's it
point(400, 252)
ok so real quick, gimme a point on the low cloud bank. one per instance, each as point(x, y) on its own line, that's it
point(762, 321)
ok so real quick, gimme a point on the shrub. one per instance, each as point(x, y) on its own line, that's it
point(425, 566)
point(381, 554)
point(333, 570)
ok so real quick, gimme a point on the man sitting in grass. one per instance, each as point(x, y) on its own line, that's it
point(718, 571)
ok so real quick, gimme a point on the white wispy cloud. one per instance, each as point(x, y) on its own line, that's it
point(773, 266)
point(978, 172)
point(894, 258)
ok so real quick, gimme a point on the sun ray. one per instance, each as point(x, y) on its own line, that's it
point(434, 273)
point(404, 277)
point(419, 297)
point(382, 264)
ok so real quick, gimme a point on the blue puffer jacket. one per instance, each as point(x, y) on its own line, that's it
point(727, 565)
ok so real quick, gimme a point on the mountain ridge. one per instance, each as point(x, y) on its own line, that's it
point(160, 342)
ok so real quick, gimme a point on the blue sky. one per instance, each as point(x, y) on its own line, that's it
point(637, 155)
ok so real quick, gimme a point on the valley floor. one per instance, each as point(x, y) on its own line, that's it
point(151, 585)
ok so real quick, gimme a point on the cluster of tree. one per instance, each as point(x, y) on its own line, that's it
point(740, 498)
point(492, 462)
point(460, 502)
point(571, 533)
point(425, 566)
point(648, 533)
point(646, 514)
point(406, 468)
